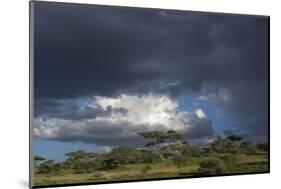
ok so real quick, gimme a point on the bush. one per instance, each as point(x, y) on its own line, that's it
point(49, 167)
point(121, 156)
point(207, 152)
point(191, 151)
point(262, 146)
point(230, 161)
point(212, 166)
point(225, 146)
point(180, 161)
point(149, 157)
point(248, 148)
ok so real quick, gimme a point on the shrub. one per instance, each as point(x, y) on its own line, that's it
point(49, 167)
point(225, 146)
point(180, 161)
point(212, 166)
point(230, 161)
point(262, 146)
point(121, 156)
point(248, 148)
point(191, 151)
point(149, 156)
point(207, 152)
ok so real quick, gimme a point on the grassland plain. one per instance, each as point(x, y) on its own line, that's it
point(254, 163)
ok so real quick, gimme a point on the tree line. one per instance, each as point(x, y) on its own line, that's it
point(160, 146)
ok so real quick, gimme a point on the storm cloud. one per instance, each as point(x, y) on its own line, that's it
point(83, 52)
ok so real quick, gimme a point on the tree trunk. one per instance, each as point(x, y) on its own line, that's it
point(161, 157)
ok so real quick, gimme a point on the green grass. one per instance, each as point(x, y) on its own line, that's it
point(165, 169)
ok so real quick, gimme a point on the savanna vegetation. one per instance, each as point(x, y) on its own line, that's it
point(165, 155)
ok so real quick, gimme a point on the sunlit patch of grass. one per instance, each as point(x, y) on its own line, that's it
point(166, 169)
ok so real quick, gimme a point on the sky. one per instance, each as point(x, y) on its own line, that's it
point(102, 74)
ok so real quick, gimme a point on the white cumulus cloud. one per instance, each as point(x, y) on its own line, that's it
point(142, 113)
point(200, 114)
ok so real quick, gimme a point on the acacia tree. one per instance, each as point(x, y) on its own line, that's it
point(234, 138)
point(227, 145)
point(49, 166)
point(121, 156)
point(80, 155)
point(81, 160)
point(163, 142)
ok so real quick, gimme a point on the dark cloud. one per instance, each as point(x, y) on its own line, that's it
point(201, 128)
point(81, 51)
point(72, 110)
point(86, 50)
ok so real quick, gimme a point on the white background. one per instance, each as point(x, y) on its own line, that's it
point(14, 70)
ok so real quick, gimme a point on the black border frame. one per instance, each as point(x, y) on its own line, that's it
point(31, 97)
